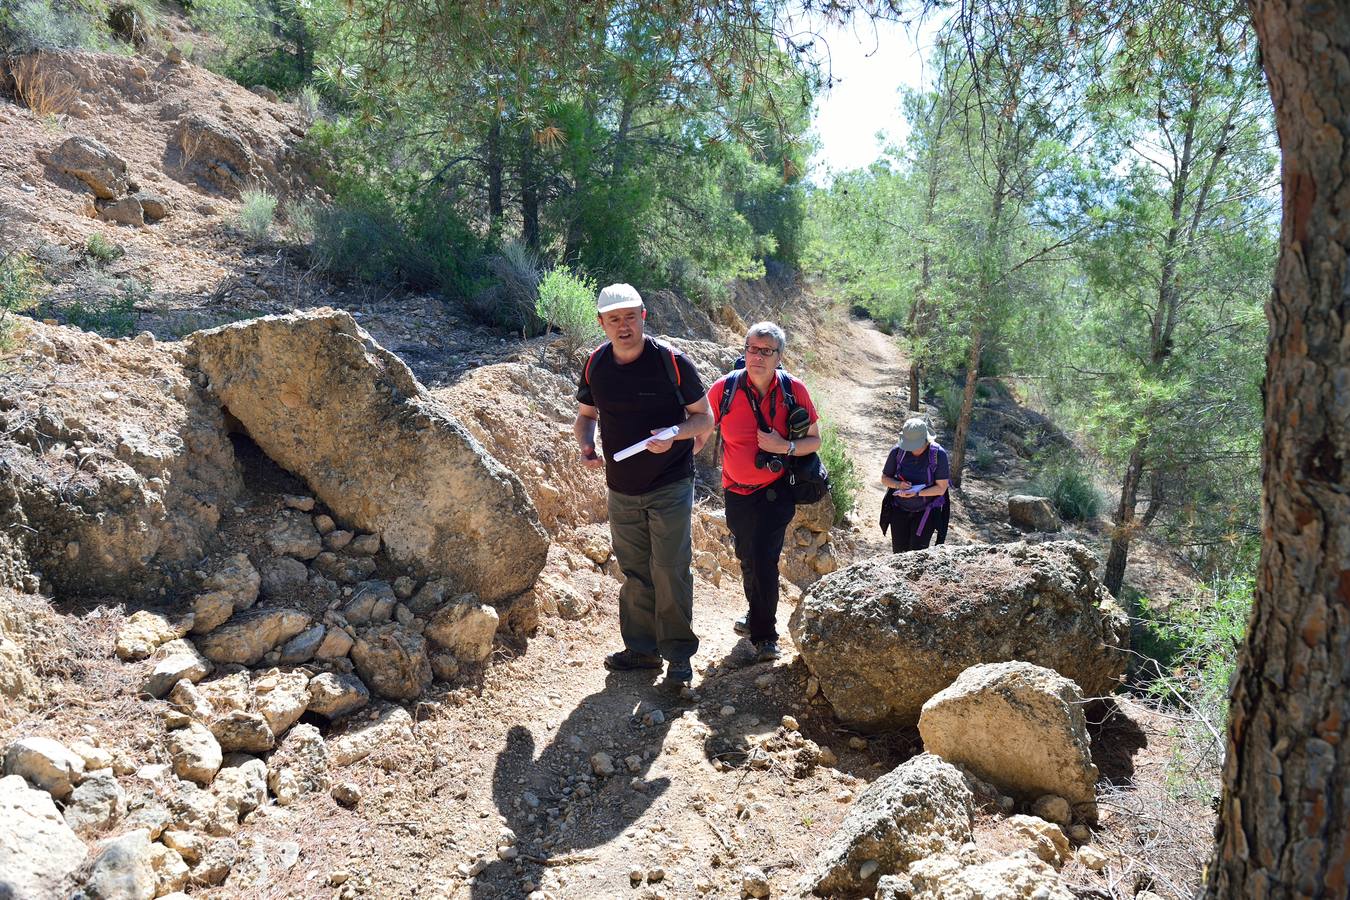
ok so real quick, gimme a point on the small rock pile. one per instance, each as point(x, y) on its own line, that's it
point(329, 614)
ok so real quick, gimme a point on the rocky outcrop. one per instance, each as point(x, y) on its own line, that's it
point(884, 635)
point(920, 808)
point(670, 314)
point(38, 850)
point(214, 155)
point(946, 877)
point(311, 386)
point(1018, 726)
point(113, 472)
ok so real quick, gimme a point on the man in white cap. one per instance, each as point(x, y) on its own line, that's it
point(635, 387)
point(917, 472)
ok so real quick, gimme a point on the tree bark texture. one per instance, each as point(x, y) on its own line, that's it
point(529, 192)
point(1284, 823)
point(1114, 576)
point(957, 458)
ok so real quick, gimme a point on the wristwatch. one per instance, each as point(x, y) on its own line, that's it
point(792, 448)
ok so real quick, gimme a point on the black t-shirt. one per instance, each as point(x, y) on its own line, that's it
point(634, 398)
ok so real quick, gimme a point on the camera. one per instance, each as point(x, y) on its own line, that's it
point(799, 422)
point(771, 461)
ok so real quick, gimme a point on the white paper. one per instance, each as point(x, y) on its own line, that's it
point(641, 445)
point(911, 490)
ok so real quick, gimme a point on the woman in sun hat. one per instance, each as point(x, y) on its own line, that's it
point(916, 475)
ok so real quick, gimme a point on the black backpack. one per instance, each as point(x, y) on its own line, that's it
point(806, 475)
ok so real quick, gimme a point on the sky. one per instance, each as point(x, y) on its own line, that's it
point(869, 62)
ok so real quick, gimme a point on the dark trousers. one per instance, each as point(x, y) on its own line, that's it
point(651, 537)
point(904, 523)
point(758, 522)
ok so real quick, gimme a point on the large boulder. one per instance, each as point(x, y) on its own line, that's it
point(1017, 725)
point(885, 634)
point(1033, 513)
point(93, 163)
point(38, 850)
point(920, 808)
point(311, 387)
point(113, 471)
point(214, 155)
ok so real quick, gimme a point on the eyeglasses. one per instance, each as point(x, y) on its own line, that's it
point(761, 351)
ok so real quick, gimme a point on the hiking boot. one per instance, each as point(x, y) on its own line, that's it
point(767, 651)
point(630, 660)
point(678, 675)
point(742, 626)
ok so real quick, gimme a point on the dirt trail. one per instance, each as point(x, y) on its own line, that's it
point(867, 403)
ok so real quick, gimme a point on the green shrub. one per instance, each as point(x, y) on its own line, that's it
point(43, 25)
point(111, 315)
point(1068, 485)
point(510, 298)
point(845, 482)
point(259, 209)
point(359, 237)
point(567, 303)
point(102, 250)
point(1187, 656)
point(949, 403)
point(984, 458)
point(20, 286)
point(299, 221)
point(308, 103)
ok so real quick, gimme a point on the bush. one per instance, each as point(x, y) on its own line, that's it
point(102, 250)
point(511, 298)
point(20, 285)
point(299, 221)
point(1069, 487)
point(845, 482)
point(255, 218)
point(1191, 650)
point(111, 315)
point(42, 25)
point(567, 303)
point(358, 237)
point(983, 459)
point(949, 403)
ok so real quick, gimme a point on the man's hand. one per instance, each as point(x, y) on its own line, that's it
point(772, 442)
point(655, 446)
point(589, 458)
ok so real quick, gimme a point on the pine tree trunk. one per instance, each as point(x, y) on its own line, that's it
point(1114, 575)
point(529, 193)
point(958, 448)
point(1284, 822)
point(494, 171)
point(913, 386)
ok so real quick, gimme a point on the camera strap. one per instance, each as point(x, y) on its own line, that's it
point(754, 403)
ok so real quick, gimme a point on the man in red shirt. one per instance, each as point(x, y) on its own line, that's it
point(759, 502)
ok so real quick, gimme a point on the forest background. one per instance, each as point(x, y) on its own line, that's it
point(1085, 206)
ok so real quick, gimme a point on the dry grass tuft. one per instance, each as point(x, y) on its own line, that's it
point(44, 91)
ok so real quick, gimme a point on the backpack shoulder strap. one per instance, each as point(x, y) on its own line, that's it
point(729, 388)
point(668, 353)
point(591, 360)
point(785, 384)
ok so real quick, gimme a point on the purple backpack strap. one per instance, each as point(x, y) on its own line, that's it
point(936, 502)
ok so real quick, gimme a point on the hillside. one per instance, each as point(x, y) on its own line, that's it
point(255, 476)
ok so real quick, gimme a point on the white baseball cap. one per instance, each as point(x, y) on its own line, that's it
point(618, 296)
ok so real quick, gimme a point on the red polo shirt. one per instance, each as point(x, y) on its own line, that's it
point(739, 429)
